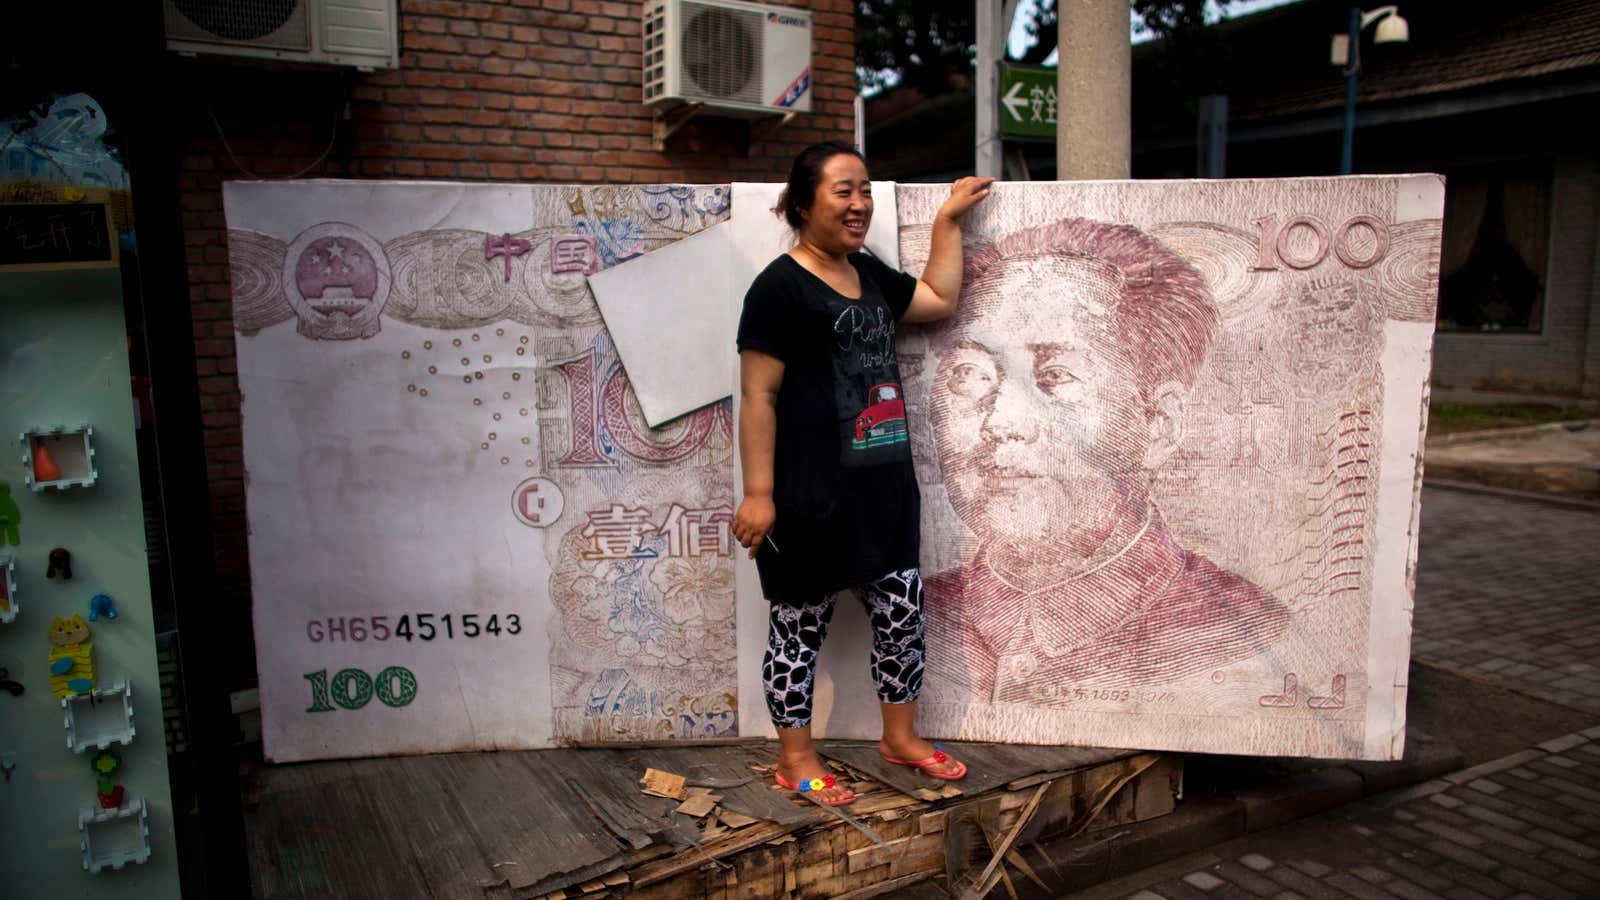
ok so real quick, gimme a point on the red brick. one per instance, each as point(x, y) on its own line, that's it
point(501, 154)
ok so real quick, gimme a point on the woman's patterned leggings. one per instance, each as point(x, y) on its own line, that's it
point(894, 605)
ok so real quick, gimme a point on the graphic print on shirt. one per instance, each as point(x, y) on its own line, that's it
point(866, 377)
point(884, 422)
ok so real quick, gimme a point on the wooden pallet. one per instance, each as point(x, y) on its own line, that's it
point(573, 823)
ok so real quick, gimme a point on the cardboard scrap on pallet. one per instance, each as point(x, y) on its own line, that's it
point(699, 805)
point(661, 783)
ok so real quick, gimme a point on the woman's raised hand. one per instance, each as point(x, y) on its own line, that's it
point(964, 194)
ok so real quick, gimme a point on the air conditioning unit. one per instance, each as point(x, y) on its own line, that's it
point(738, 58)
point(359, 33)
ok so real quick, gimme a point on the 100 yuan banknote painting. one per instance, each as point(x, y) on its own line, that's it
point(1170, 454)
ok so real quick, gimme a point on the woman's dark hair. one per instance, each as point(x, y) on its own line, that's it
point(803, 178)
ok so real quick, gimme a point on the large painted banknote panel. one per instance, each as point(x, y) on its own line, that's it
point(1170, 458)
point(463, 534)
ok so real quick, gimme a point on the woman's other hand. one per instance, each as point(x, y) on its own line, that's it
point(753, 520)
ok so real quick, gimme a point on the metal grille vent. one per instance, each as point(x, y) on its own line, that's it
point(169, 671)
point(269, 23)
point(722, 52)
point(655, 51)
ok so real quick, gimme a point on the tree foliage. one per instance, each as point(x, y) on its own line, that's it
point(921, 43)
point(930, 44)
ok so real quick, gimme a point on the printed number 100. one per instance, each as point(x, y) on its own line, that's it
point(352, 688)
point(1273, 244)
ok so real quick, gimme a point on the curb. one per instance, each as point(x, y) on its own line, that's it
point(1484, 435)
point(1468, 487)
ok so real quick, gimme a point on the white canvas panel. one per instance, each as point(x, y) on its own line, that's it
point(667, 313)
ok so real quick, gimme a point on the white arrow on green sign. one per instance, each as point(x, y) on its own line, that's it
point(1027, 102)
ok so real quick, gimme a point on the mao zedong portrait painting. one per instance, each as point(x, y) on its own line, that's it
point(1056, 392)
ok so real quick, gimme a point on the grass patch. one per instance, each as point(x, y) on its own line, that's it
point(1446, 418)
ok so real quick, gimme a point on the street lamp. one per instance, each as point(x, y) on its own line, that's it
point(1392, 29)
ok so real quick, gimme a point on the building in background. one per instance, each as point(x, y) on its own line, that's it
point(1497, 97)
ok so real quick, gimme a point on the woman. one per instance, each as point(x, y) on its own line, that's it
point(830, 496)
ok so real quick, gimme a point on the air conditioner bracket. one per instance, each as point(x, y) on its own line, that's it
point(669, 122)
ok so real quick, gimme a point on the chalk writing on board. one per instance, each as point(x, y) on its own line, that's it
point(54, 234)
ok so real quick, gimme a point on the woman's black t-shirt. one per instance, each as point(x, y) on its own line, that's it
point(844, 486)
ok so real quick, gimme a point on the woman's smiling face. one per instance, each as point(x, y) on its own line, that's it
point(841, 208)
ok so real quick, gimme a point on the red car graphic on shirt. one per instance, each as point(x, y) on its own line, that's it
point(884, 422)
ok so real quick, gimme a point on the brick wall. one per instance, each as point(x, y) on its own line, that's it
point(518, 91)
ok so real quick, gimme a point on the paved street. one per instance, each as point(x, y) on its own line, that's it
point(1508, 592)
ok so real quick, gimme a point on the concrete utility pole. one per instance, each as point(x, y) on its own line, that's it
point(1094, 136)
point(993, 20)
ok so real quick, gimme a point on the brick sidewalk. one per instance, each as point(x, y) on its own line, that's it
point(1509, 592)
point(1524, 826)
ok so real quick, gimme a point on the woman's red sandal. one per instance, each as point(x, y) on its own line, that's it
point(808, 785)
point(922, 765)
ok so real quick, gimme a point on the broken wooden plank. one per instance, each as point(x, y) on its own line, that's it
point(885, 887)
point(1015, 858)
point(987, 880)
point(734, 819)
point(875, 855)
point(695, 857)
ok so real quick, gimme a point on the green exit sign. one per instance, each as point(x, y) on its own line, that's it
point(1027, 102)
